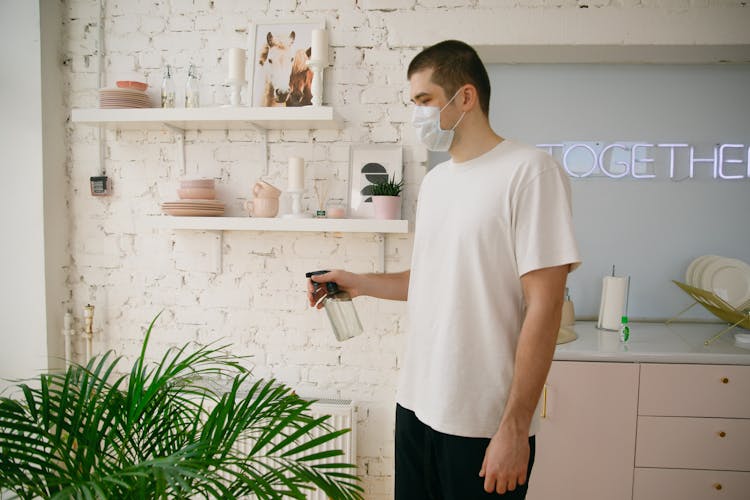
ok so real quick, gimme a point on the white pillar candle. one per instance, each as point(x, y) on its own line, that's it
point(319, 47)
point(236, 58)
point(296, 173)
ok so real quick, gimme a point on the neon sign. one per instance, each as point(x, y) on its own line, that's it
point(643, 160)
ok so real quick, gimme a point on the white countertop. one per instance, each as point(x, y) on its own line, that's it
point(655, 343)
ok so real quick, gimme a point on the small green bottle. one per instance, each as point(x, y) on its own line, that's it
point(624, 329)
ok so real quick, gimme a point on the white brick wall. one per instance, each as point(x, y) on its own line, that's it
point(131, 272)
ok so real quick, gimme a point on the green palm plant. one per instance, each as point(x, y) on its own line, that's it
point(162, 431)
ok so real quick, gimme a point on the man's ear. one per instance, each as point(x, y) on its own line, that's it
point(468, 97)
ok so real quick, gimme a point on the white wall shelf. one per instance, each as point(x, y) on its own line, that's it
point(304, 117)
point(279, 224)
point(220, 224)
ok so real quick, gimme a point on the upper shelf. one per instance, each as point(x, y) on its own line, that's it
point(279, 224)
point(222, 118)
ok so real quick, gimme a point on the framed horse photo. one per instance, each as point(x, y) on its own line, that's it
point(371, 164)
point(279, 51)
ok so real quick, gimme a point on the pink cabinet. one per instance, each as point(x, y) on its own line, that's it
point(695, 390)
point(693, 443)
point(693, 432)
point(586, 442)
point(680, 484)
point(621, 431)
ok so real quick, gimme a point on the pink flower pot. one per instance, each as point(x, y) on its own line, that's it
point(387, 207)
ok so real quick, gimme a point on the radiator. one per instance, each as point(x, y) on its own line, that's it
point(343, 416)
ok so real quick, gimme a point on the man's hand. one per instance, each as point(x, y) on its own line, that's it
point(505, 461)
point(346, 281)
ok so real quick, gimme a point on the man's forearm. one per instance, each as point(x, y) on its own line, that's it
point(536, 347)
point(391, 286)
point(543, 292)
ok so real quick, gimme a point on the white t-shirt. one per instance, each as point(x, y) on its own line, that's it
point(480, 226)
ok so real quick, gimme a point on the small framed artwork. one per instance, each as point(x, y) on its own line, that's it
point(279, 51)
point(371, 164)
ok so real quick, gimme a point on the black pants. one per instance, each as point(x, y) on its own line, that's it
point(431, 465)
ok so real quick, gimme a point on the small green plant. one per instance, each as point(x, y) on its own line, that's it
point(162, 431)
point(388, 187)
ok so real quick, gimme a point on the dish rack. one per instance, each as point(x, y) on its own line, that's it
point(717, 306)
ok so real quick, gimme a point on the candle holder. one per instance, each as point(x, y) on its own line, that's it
point(68, 333)
point(235, 86)
point(88, 330)
point(297, 212)
point(317, 68)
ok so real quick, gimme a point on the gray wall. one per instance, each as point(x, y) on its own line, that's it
point(650, 230)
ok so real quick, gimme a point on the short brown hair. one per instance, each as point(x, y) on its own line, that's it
point(454, 64)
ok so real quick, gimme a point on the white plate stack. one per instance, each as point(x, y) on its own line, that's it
point(116, 98)
point(197, 199)
point(727, 278)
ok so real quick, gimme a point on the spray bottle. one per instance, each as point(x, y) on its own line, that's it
point(339, 307)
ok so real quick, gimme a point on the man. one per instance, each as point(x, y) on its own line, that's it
point(492, 249)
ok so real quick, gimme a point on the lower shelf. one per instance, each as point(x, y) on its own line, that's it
point(279, 224)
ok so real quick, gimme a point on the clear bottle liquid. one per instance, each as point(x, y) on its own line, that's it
point(340, 309)
point(192, 99)
point(167, 89)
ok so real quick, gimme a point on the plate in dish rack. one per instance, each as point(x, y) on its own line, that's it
point(729, 279)
point(700, 266)
point(691, 269)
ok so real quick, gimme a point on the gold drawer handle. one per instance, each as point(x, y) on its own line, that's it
point(724, 380)
point(543, 413)
point(717, 486)
point(722, 434)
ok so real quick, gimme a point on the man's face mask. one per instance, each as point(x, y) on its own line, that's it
point(426, 121)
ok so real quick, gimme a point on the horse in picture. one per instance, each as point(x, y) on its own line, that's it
point(300, 81)
point(287, 79)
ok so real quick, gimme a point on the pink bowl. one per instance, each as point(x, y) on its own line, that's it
point(197, 183)
point(127, 84)
point(196, 193)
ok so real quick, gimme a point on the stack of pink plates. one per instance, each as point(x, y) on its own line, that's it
point(123, 98)
point(205, 208)
point(197, 198)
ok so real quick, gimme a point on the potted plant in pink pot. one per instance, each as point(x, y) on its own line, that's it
point(386, 198)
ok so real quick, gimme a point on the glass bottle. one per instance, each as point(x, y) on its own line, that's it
point(167, 89)
point(340, 309)
point(192, 99)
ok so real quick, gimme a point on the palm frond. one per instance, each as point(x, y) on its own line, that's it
point(160, 430)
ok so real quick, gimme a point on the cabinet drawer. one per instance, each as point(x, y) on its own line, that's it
point(662, 484)
point(693, 443)
point(694, 390)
